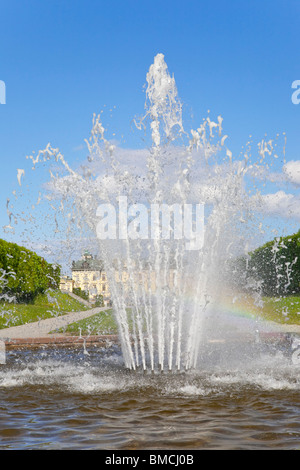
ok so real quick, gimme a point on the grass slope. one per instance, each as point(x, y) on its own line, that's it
point(53, 303)
point(282, 309)
point(102, 323)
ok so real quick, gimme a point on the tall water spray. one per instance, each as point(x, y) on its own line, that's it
point(168, 224)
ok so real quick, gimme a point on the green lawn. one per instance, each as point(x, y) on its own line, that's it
point(282, 310)
point(47, 305)
point(102, 323)
point(279, 310)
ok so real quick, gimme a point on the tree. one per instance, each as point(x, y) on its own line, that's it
point(99, 302)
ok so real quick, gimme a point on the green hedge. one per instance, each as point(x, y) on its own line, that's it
point(24, 274)
point(277, 265)
point(81, 293)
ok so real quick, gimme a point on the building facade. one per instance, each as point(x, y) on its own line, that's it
point(66, 284)
point(89, 275)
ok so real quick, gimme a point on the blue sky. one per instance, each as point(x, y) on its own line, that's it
point(63, 60)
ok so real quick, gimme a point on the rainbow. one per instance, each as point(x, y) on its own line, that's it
point(242, 307)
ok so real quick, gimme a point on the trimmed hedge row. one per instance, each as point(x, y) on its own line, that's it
point(24, 274)
point(276, 265)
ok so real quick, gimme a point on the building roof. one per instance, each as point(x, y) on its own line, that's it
point(87, 263)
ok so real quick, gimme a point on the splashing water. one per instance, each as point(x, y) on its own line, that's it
point(165, 280)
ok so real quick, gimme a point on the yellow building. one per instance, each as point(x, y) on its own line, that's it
point(66, 284)
point(88, 274)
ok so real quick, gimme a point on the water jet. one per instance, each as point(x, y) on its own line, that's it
point(190, 214)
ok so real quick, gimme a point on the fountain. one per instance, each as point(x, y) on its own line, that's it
point(172, 223)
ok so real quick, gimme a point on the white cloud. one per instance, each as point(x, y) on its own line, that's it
point(289, 174)
point(292, 172)
point(281, 203)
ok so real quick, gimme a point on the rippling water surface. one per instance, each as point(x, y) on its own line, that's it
point(66, 399)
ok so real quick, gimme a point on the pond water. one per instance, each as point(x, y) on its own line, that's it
point(68, 398)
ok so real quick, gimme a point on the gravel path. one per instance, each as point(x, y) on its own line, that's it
point(43, 327)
